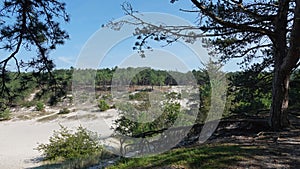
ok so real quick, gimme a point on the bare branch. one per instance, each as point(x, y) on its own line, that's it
point(190, 11)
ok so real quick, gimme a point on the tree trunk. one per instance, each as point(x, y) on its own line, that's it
point(278, 113)
point(280, 86)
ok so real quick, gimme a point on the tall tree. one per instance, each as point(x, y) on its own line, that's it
point(29, 25)
point(257, 29)
point(264, 33)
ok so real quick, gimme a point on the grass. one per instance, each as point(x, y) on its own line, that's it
point(206, 156)
point(92, 160)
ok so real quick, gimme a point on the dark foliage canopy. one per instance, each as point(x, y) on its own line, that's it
point(29, 25)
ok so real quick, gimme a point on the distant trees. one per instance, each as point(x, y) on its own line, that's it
point(103, 77)
point(247, 94)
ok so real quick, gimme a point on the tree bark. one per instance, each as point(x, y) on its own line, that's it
point(286, 59)
point(278, 113)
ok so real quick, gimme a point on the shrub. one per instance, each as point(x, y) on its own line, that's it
point(103, 106)
point(64, 111)
point(165, 118)
point(5, 115)
point(40, 106)
point(140, 96)
point(66, 145)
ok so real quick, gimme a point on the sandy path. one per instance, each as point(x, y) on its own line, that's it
point(18, 139)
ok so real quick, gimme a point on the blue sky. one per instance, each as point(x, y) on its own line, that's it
point(88, 16)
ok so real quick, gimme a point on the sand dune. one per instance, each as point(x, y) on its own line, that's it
point(18, 139)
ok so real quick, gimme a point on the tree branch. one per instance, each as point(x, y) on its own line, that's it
point(242, 27)
point(292, 58)
point(253, 14)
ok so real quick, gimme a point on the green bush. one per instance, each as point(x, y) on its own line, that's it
point(40, 106)
point(140, 96)
point(166, 118)
point(103, 106)
point(5, 115)
point(64, 111)
point(65, 145)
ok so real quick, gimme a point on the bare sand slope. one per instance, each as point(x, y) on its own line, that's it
point(18, 139)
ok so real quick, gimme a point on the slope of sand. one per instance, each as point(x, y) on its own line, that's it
point(19, 138)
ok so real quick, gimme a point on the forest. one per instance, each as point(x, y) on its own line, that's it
point(249, 93)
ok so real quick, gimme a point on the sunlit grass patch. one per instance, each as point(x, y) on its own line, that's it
point(205, 156)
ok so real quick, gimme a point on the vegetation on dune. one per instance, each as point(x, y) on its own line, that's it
point(133, 122)
point(268, 30)
point(5, 115)
point(68, 145)
point(73, 149)
point(102, 105)
point(248, 93)
point(39, 106)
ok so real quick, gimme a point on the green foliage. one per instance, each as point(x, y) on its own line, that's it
point(295, 91)
point(205, 156)
point(25, 26)
point(49, 91)
point(86, 162)
point(102, 105)
point(132, 120)
point(251, 92)
point(40, 106)
point(248, 92)
point(139, 96)
point(5, 115)
point(66, 145)
point(18, 90)
point(171, 110)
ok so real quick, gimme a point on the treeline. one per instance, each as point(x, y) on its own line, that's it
point(248, 92)
point(132, 76)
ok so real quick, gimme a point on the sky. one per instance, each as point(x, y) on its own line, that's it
point(88, 16)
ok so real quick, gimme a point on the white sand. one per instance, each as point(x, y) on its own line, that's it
point(18, 139)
